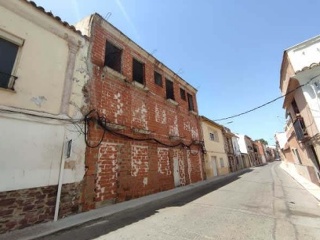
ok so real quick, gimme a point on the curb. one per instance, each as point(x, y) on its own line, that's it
point(49, 228)
point(309, 186)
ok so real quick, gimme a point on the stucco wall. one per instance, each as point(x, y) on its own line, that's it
point(214, 149)
point(40, 67)
point(304, 54)
point(242, 144)
point(31, 154)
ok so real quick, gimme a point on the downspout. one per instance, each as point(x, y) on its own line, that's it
point(73, 49)
point(61, 173)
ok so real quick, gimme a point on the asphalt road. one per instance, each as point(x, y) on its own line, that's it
point(265, 203)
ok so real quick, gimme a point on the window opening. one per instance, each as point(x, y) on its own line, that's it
point(190, 102)
point(113, 57)
point(157, 79)
point(182, 94)
point(295, 107)
point(169, 89)
point(138, 71)
point(8, 55)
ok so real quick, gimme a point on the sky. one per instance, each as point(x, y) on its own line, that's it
point(229, 50)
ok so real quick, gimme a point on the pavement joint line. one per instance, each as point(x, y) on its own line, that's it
point(49, 228)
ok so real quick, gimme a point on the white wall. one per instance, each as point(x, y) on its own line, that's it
point(31, 154)
point(52, 69)
point(304, 54)
point(40, 68)
point(242, 143)
point(282, 139)
point(236, 147)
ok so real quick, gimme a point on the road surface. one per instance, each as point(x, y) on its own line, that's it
point(265, 203)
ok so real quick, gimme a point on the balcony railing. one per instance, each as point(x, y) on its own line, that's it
point(7, 81)
point(300, 129)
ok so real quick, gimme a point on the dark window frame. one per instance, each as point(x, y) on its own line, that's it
point(158, 79)
point(113, 56)
point(7, 64)
point(138, 75)
point(169, 89)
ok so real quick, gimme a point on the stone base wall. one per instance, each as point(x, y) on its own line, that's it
point(26, 207)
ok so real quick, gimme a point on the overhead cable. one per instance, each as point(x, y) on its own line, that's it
point(267, 103)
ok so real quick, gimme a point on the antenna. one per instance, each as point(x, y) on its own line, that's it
point(108, 15)
point(180, 71)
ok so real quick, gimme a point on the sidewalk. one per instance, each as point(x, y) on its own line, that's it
point(309, 186)
point(45, 229)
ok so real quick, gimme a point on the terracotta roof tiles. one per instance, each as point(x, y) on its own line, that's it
point(57, 18)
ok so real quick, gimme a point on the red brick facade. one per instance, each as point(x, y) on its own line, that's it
point(121, 168)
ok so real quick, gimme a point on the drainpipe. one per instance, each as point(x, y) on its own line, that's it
point(61, 172)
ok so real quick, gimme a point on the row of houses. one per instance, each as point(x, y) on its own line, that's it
point(89, 118)
point(300, 85)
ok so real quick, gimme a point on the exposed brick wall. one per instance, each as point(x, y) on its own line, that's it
point(121, 169)
point(23, 208)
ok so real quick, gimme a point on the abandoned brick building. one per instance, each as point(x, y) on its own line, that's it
point(143, 131)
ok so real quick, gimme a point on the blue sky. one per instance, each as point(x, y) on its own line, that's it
point(230, 50)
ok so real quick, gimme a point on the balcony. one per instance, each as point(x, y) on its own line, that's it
point(300, 129)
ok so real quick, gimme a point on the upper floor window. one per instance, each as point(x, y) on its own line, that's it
point(182, 94)
point(113, 57)
point(190, 102)
point(214, 136)
point(221, 163)
point(157, 78)
point(295, 107)
point(138, 71)
point(169, 89)
point(8, 55)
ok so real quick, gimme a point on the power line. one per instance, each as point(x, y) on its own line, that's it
point(267, 103)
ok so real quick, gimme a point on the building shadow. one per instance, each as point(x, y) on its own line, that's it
point(105, 225)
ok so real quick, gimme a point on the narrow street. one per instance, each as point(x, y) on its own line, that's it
point(264, 203)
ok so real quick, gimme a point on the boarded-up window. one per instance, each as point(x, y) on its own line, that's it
point(138, 71)
point(169, 89)
point(158, 79)
point(113, 57)
point(190, 102)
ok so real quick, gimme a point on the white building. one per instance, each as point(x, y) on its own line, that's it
point(300, 84)
point(41, 81)
point(243, 143)
point(237, 152)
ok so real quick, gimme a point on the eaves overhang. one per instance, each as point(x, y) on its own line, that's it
point(289, 93)
point(205, 119)
point(52, 16)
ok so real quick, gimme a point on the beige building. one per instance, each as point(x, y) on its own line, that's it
point(42, 147)
point(216, 159)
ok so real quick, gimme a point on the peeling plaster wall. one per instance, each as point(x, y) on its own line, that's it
point(51, 67)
